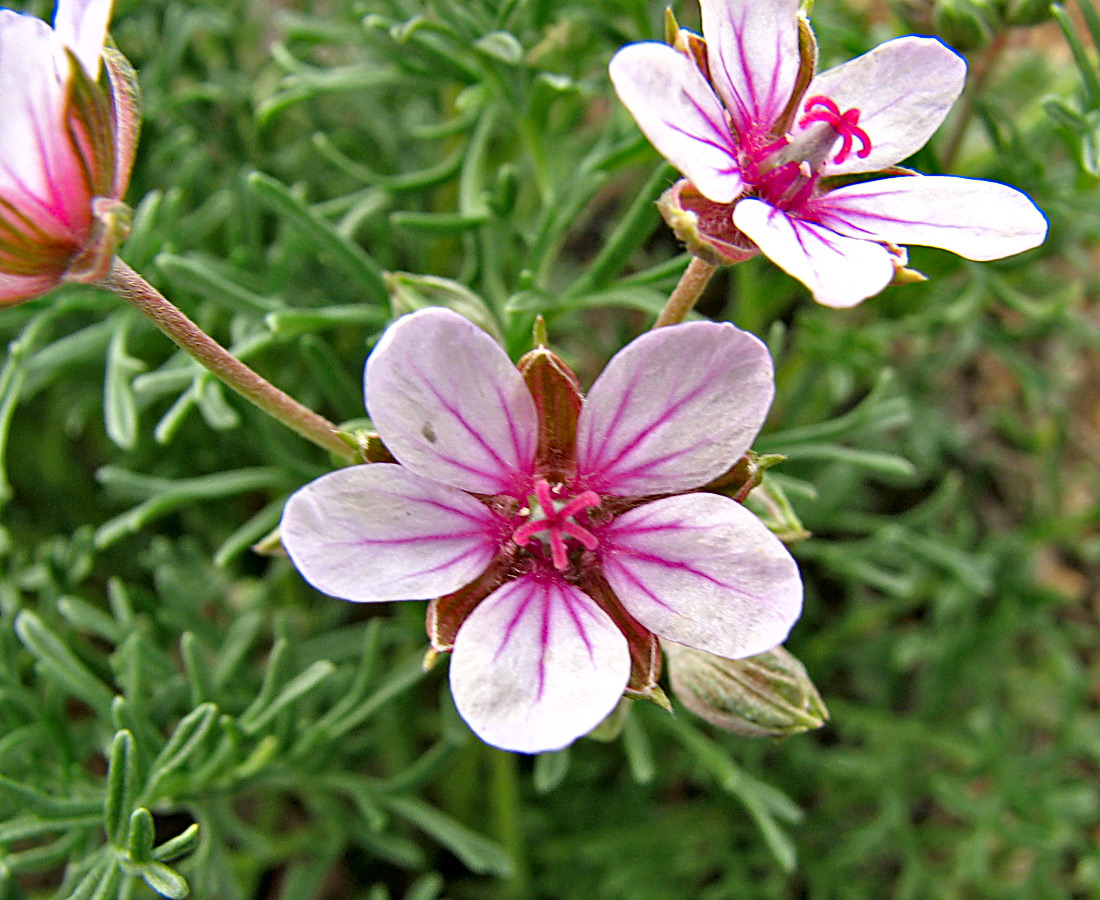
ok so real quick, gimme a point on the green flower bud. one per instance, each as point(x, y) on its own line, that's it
point(767, 695)
point(965, 24)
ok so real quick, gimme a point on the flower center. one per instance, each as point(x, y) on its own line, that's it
point(846, 124)
point(552, 513)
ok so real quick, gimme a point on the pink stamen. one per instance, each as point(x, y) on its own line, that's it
point(846, 124)
point(558, 523)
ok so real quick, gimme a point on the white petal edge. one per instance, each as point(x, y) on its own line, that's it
point(537, 664)
point(376, 532)
point(839, 271)
point(450, 405)
point(977, 219)
point(752, 50)
point(678, 112)
point(701, 570)
point(674, 409)
point(903, 89)
point(82, 27)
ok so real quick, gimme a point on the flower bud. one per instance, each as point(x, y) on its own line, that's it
point(965, 24)
point(767, 695)
point(66, 149)
point(1022, 13)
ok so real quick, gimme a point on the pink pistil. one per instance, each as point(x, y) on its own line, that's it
point(558, 523)
point(846, 124)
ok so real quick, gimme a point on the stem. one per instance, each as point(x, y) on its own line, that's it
point(981, 71)
point(135, 290)
point(686, 293)
point(504, 793)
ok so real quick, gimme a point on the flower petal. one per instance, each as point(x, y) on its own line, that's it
point(674, 409)
point(839, 271)
point(903, 89)
point(15, 288)
point(537, 664)
point(678, 111)
point(752, 50)
point(450, 405)
point(82, 27)
point(702, 570)
point(973, 218)
point(377, 532)
point(40, 174)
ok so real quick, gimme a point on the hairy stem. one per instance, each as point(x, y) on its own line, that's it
point(686, 294)
point(135, 290)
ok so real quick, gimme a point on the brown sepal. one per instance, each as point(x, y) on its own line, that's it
point(645, 651)
point(447, 613)
point(557, 396)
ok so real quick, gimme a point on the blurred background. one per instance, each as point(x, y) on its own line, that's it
point(302, 166)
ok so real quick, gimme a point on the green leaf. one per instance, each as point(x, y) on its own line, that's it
point(164, 881)
point(118, 802)
point(60, 664)
point(480, 855)
point(140, 836)
point(119, 406)
point(349, 256)
point(181, 845)
point(502, 46)
point(550, 770)
point(255, 719)
point(185, 740)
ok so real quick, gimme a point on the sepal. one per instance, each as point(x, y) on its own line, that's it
point(557, 395)
point(706, 228)
point(767, 695)
point(110, 227)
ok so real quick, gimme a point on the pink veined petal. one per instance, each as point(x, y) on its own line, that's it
point(701, 570)
point(450, 405)
point(752, 48)
point(674, 409)
point(678, 111)
point(839, 271)
point(82, 27)
point(903, 89)
point(39, 171)
point(976, 219)
point(14, 288)
point(377, 532)
point(537, 664)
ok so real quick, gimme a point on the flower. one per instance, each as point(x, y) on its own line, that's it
point(66, 148)
point(554, 531)
point(762, 141)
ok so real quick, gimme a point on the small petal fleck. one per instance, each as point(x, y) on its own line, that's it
point(530, 519)
point(761, 160)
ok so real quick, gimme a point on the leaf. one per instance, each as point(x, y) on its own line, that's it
point(480, 855)
point(352, 258)
point(121, 787)
point(60, 664)
point(164, 881)
point(119, 406)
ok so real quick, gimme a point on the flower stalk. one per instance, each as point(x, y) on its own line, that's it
point(124, 282)
point(687, 292)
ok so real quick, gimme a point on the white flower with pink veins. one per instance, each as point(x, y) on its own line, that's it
point(559, 535)
point(728, 112)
